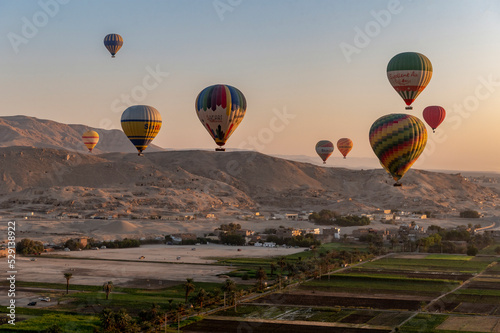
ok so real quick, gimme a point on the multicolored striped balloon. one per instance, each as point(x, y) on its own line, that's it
point(113, 42)
point(344, 145)
point(409, 73)
point(324, 149)
point(398, 140)
point(434, 116)
point(90, 139)
point(141, 124)
point(221, 109)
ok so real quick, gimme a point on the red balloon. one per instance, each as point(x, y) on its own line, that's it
point(434, 115)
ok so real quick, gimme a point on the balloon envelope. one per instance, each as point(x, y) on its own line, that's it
point(90, 139)
point(344, 145)
point(434, 116)
point(141, 124)
point(324, 149)
point(113, 42)
point(221, 109)
point(398, 140)
point(409, 73)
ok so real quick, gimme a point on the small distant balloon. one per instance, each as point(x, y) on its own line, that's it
point(221, 109)
point(409, 73)
point(434, 116)
point(324, 149)
point(398, 140)
point(113, 42)
point(90, 139)
point(141, 124)
point(344, 145)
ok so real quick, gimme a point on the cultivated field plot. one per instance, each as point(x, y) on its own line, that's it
point(431, 264)
point(480, 296)
point(381, 285)
point(227, 326)
point(471, 324)
point(352, 301)
point(324, 314)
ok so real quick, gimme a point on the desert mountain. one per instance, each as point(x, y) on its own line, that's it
point(53, 181)
point(40, 133)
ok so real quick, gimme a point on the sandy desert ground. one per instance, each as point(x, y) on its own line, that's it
point(160, 267)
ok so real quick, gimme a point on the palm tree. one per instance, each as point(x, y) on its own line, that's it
point(261, 275)
point(67, 276)
point(282, 264)
point(190, 287)
point(273, 268)
point(201, 297)
point(108, 288)
point(228, 287)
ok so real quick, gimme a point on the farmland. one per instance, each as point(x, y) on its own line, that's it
point(413, 293)
point(410, 292)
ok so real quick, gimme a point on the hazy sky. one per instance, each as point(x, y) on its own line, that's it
point(310, 70)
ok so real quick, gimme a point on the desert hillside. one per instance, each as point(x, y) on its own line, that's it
point(41, 133)
point(54, 181)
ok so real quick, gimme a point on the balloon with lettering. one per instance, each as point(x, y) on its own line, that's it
point(344, 145)
point(141, 124)
point(324, 149)
point(221, 109)
point(434, 116)
point(90, 139)
point(409, 73)
point(113, 42)
point(398, 140)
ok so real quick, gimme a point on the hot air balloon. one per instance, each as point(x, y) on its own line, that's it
point(90, 139)
point(141, 123)
point(409, 73)
point(398, 140)
point(113, 43)
point(324, 148)
point(221, 109)
point(434, 115)
point(344, 145)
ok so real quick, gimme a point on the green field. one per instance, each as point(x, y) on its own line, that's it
point(392, 285)
point(449, 257)
point(429, 265)
point(67, 323)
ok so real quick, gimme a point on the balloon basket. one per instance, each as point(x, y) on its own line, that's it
point(324, 162)
point(344, 157)
point(140, 154)
point(409, 108)
point(398, 184)
point(220, 149)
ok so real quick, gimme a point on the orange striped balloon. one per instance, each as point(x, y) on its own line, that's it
point(90, 139)
point(344, 145)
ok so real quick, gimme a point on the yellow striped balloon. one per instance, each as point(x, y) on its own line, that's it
point(141, 124)
point(344, 145)
point(90, 139)
point(398, 140)
point(113, 42)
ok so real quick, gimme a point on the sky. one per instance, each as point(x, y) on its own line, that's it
point(310, 69)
